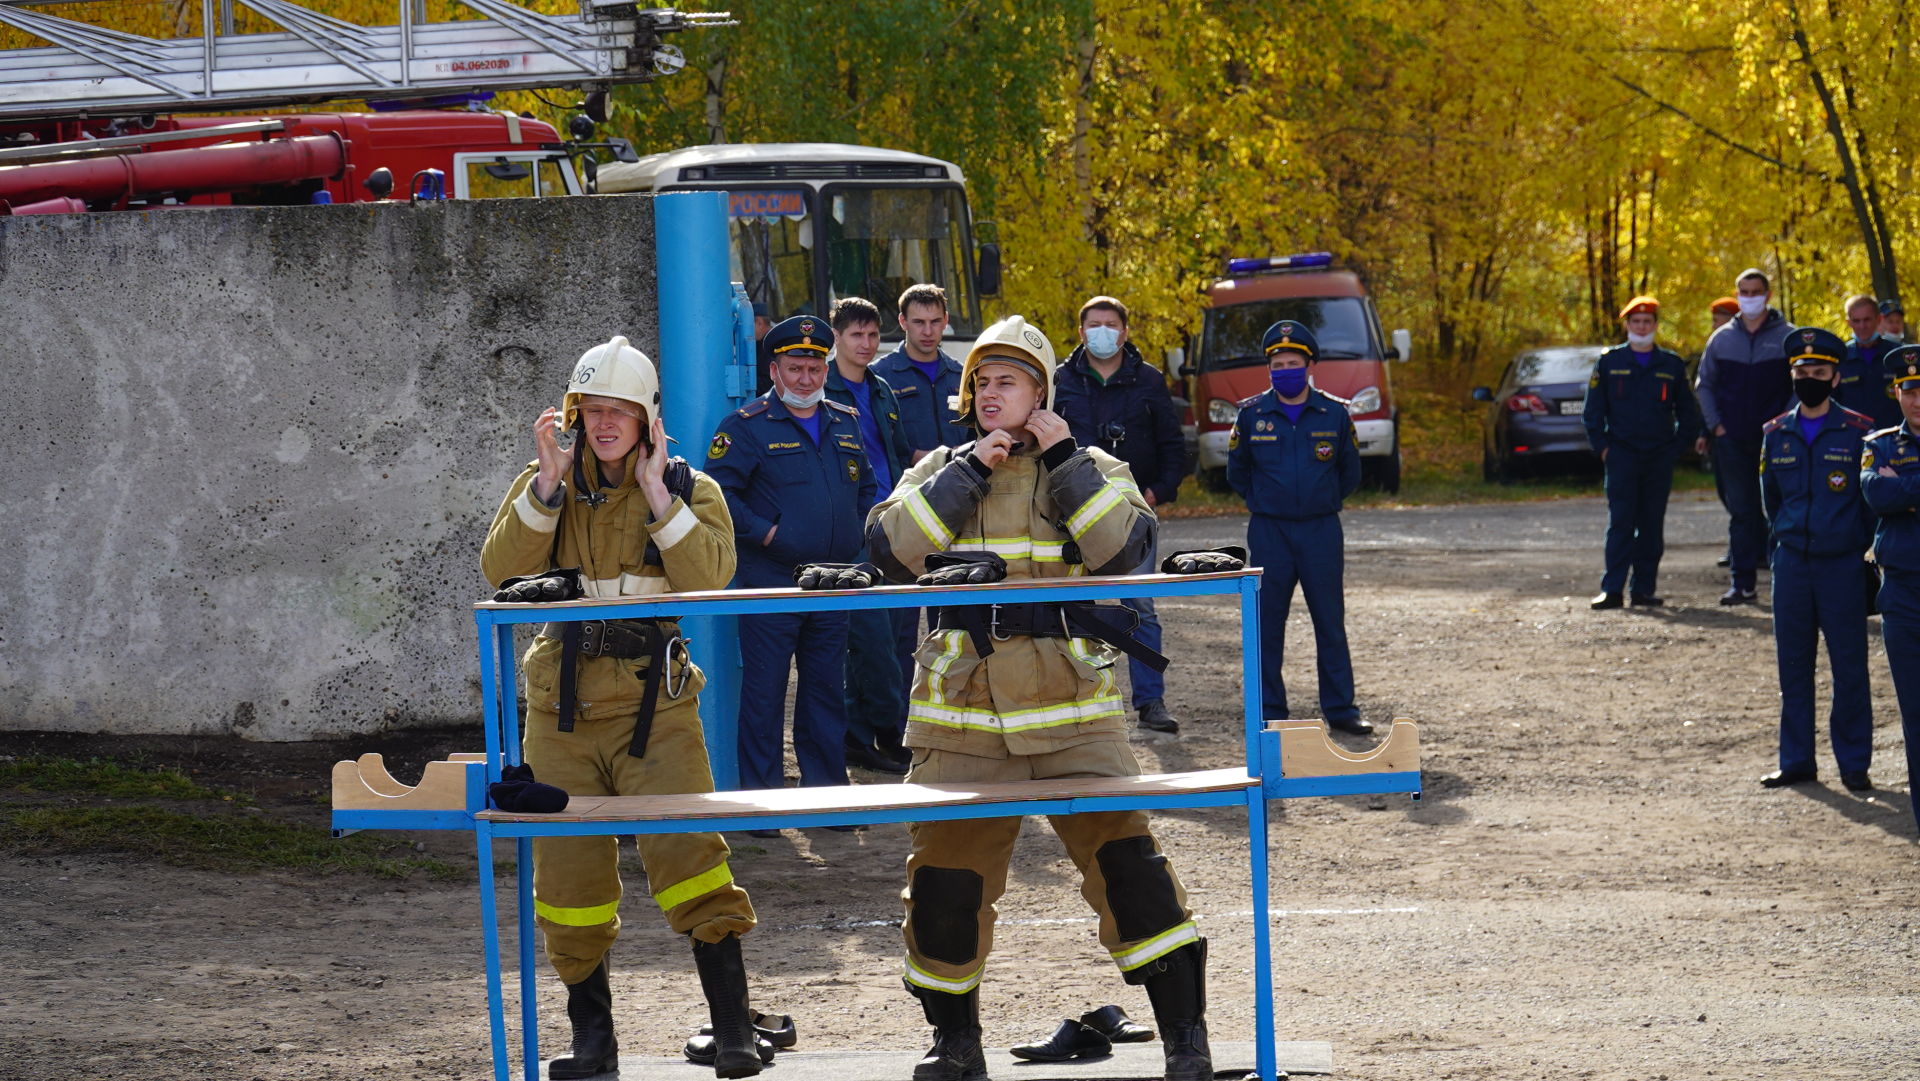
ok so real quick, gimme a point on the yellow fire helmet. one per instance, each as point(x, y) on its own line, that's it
point(1010, 341)
point(614, 370)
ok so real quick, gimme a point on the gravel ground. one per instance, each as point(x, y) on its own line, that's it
point(1594, 885)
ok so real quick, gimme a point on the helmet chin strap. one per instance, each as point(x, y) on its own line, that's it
point(591, 496)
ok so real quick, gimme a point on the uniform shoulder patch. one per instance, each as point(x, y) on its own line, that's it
point(847, 409)
point(1245, 402)
point(718, 448)
point(1776, 423)
point(753, 408)
point(1856, 420)
point(1878, 432)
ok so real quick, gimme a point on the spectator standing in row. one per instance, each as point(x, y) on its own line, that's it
point(1113, 399)
point(924, 380)
point(1890, 481)
point(1864, 386)
point(1893, 319)
point(876, 684)
point(1810, 485)
point(1743, 383)
point(1639, 412)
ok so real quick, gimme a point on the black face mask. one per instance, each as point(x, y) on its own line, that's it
point(1812, 391)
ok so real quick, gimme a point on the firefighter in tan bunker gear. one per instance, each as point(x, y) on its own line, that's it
point(635, 523)
point(1042, 705)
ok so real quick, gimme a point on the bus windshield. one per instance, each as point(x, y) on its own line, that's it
point(1339, 324)
point(771, 249)
point(881, 240)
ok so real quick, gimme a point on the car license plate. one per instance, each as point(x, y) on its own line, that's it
point(1570, 408)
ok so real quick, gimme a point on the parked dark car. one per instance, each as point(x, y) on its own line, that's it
point(1533, 420)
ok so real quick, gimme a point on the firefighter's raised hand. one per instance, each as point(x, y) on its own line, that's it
point(993, 448)
point(1047, 428)
point(650, 470)
point(553, 460)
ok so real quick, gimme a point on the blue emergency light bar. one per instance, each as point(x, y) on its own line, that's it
point(1280, 262)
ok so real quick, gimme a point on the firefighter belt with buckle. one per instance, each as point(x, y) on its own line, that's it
point(986, 623)
point(657, 640)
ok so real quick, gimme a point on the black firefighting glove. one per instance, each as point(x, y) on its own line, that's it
point(836, 575)
point(1230, 557)
point(560, 585)
point(962, 568)
point(517, 791)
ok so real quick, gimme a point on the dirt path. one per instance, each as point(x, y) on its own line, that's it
point(1593, 887)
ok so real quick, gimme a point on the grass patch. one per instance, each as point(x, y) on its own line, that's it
point(102, 777)
point(161, 822)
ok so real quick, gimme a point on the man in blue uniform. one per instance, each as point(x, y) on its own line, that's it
point(1639, 413)
point(876, 682)
point(1809, 485)
point(1890, 480)
point(1743, 383)
point(1293, 454)
point(1113, 399)
point(1863, 378)
point(795, 472)
point(924, 379)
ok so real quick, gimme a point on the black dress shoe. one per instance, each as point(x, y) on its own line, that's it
point(1723, 561)
point(1605, 601)
point(1781, 778)
point(1736, 595)
point(1857, 781)
point(1354, 727)
point(867, 756)
point(1073, 1039)
point(1113, 1023)
point(1646, 600)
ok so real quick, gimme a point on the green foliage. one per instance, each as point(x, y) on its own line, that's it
point(101, 777)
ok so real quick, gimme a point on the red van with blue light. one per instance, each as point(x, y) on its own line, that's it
point(1227, 364)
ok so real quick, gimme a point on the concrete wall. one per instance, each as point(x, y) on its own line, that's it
point(254, 451)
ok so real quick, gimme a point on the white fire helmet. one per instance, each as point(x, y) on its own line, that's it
point(1012, 340)
point(614, 370)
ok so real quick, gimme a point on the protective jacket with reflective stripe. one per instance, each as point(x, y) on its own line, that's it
point(1032, 695)
point(608, 542)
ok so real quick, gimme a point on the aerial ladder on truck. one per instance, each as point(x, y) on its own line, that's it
point(90, 70)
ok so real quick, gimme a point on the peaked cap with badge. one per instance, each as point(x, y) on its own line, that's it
point(1812, 345)
point(1287, 334)
point(806, 334)
point(1902, 365)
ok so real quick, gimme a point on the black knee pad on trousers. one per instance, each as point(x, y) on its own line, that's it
point(1139, 887)
point(946, 913)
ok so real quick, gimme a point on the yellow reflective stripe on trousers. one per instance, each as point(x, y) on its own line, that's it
point(1095, 509)
point(920, 977)
point(1156, 947)
point(930, 524)
point(687, 889)
point(590, 916)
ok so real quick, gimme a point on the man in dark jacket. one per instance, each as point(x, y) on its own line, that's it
point(1864, 385)
point(1113, 399)
point(1639, 413)
point(1743, 384)
point(876, 682)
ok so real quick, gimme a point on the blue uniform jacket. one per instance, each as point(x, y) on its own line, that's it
point(1137, 398)
point(1896, 500)
point(1865, 386)
point(772, 473)
point(924, 414)
point(1642, 407)
point(886, 417)
point(1293, 471)
point(1812, 493)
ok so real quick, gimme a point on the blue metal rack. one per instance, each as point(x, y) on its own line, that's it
point(1262, 780)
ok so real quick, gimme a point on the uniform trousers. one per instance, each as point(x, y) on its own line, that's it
point(1148, 685)
point(1900, 635)
point(1638, 483)
point(1817, 597)
point(1309, 553)
point(957, 870)
point(815, 644)
point(576, 880)
point(876, 684)
point(1738, 467)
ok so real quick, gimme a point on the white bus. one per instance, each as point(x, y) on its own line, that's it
point(814, 222)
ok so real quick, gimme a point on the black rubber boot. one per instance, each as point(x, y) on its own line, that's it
point(723, 978)
point(955, 1054)
point(590, 1010)
point(1177, 987)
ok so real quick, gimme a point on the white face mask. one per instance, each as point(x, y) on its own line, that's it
point(1639, 341)
point(1103, 342)
point(794, 401)
point(1753, 307)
